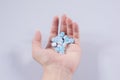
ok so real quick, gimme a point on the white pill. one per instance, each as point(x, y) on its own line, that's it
point(58, 45)
point(65, 37)
point(54, 44)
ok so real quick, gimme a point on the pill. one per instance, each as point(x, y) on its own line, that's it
point(54, 44)
point(61, 34)
point(60, 42)
point(71, 40)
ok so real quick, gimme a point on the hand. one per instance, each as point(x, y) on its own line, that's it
point(48, 57)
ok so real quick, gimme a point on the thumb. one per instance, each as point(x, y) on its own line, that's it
point(36, 43)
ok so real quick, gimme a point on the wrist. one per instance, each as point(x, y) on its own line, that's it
point(57, 73)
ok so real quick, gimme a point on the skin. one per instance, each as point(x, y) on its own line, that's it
point(56, 66)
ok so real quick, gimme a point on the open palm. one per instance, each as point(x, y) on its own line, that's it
point(48, 57)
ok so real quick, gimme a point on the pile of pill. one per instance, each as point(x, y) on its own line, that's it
point(60, 42)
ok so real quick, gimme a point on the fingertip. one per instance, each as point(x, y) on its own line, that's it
point(63, 19)
point(56, 18)
point(68, 21)
point(37, 30)
point(75, 27)
point(63, 16)
point(76, 24)
point(36, 42)
point(55, 21)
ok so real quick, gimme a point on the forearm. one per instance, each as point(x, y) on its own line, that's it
point(59, 73)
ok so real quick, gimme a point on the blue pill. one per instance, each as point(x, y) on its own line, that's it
point(61, 52)
point(62, 34)
point(64, 44)
point(67, 40)
point(62, 48)
point(57, 49)
point(65, 37)
point(58, 39)
point(71, 40)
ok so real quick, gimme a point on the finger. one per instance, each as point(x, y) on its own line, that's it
point(36, 43)
point(75, 30)
point(63, 27)
point(54, 30)
point(76, 34)
point(69, 27)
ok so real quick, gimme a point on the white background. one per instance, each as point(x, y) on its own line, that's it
point(99, 22)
